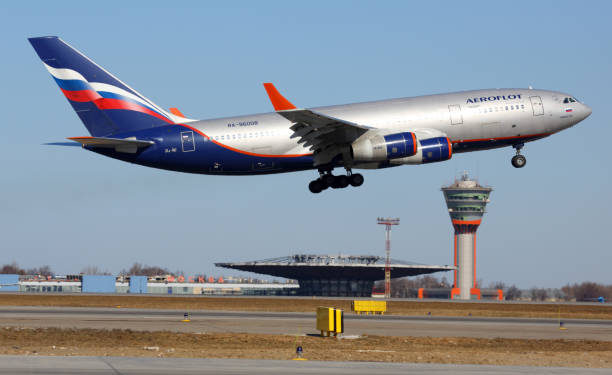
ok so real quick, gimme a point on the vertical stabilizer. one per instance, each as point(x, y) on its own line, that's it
point(105, 104)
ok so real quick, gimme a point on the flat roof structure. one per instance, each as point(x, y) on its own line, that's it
point(334, 275)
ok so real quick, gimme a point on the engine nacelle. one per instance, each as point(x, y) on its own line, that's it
point(380, 147)
point(430, 150)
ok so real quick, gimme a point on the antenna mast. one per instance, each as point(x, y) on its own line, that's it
point(388, 222)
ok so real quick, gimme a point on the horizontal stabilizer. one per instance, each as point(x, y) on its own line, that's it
point(175, 111)
point(127, 145)
point(70, 144)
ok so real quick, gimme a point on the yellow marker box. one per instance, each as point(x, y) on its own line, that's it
point(374, 307)
point(330, 320)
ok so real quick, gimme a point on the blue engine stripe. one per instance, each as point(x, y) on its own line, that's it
point(435, 149)
point(399, 145)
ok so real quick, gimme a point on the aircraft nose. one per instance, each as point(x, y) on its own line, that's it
point(587, 111)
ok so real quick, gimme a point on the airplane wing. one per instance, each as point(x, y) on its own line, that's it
point(127, 145)
point(326, 136)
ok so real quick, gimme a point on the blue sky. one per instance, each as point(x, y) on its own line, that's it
point(546, 225)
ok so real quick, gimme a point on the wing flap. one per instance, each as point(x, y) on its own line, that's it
point(325, 135)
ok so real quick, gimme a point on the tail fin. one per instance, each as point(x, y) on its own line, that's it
point(104, 103)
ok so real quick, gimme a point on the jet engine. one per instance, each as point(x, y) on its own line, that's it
point(419, 147)
point(380, 147)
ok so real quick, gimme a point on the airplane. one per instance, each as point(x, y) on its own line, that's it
point(125, 125)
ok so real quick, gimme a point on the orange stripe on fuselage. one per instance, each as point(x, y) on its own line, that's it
point(502, 138)
point(241, 151)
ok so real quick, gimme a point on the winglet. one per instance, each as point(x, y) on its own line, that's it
point(278, 101)
point(176, 112)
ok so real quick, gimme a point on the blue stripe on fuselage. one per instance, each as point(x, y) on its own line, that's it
point(207, 158)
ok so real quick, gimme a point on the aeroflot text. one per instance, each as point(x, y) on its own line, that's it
point(493, 98)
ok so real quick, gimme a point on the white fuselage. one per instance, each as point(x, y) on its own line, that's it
point(473, 120)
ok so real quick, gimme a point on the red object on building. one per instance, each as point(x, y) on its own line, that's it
point(455, 292)
point(211, 279)
point(475, 292)
point(220, 280)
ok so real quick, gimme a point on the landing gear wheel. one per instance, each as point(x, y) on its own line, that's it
point(315, 186)
point(519, 161)
point(340, 182)
point(328, 180)
point(356, 179)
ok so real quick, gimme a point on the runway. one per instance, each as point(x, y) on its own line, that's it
point(179, 366)
point(296, 323)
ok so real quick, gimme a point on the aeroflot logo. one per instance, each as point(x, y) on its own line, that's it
point(483, 99)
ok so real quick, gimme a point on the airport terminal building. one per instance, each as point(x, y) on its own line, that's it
point(334, 275)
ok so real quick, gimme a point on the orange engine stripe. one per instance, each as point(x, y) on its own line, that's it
point(450, 148)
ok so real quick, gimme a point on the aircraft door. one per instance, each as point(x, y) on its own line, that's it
point(536, 104)
point(456, 117)
point(187, 141)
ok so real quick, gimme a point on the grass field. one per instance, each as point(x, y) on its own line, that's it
point(89, 342)
point(440, 308)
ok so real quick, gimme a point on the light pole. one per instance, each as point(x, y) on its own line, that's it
point(388, 222)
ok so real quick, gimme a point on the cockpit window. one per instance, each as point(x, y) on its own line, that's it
point(570, 100)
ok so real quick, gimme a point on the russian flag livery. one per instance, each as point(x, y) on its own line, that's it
point(105, 104)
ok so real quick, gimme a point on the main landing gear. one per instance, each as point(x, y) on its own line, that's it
point(328, 180)
point(518, 160)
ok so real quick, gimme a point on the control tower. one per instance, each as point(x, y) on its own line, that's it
point(466, 201)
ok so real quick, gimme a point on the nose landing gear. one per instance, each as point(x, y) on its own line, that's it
point(518, 160)
point(328, 180)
